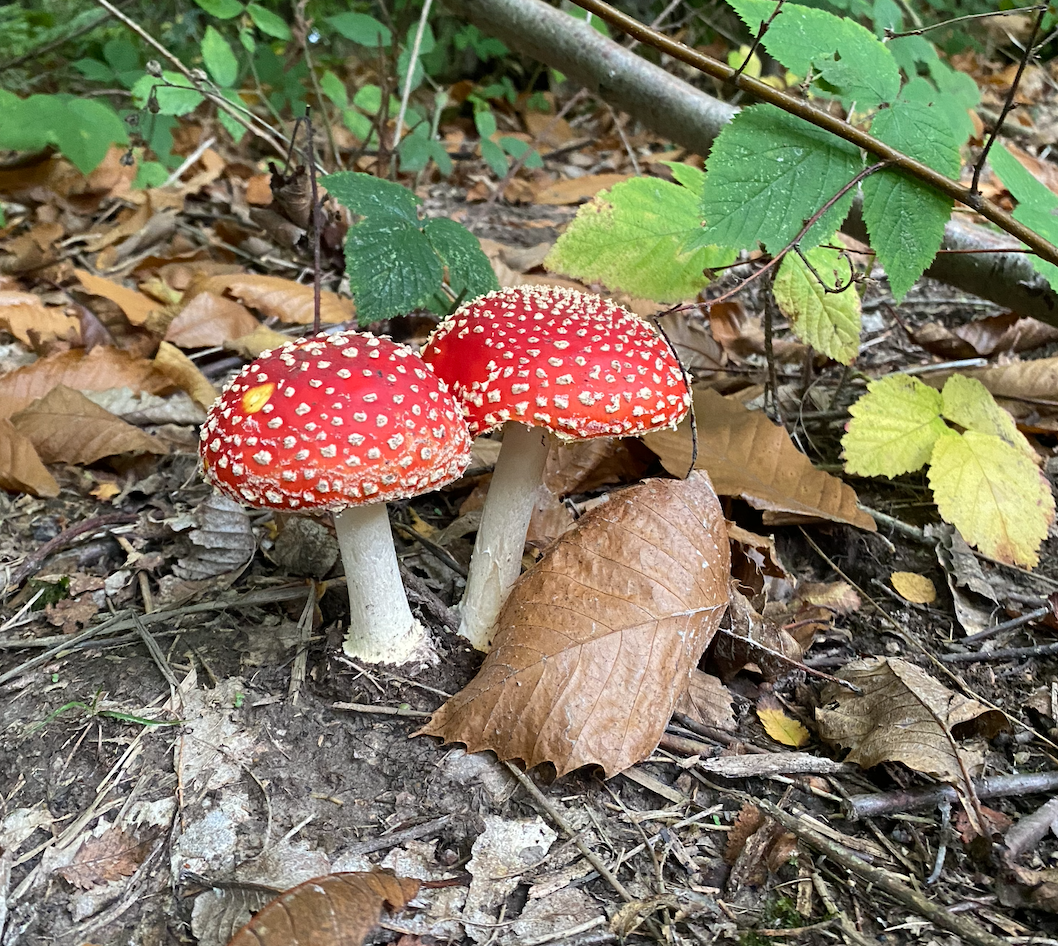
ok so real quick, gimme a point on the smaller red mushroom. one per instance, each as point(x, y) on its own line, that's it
point(539, 359)
point(342, 422)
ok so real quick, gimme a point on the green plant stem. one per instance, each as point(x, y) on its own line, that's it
point(821, 119)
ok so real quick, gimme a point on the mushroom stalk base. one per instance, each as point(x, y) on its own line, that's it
point(381, 626)
point(497, 559)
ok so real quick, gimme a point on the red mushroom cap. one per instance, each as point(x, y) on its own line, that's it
point(545, 356)
point(333, 421)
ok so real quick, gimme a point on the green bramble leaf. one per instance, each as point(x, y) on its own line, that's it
point(469, 273)
point(767, 174)
point(232, 125)
point(334, 89)
point(828, 321)
point(90, 128)
point(968, 403)
point(493, 156)
point(993, 493)
point(362, 29)
point(370, 196)
point(634, 237)
point(905, 217)
point(221, 9)
point(894, 427)
point(848, 59)
point(218, 58)
point(1037, 205)
point(268, 22)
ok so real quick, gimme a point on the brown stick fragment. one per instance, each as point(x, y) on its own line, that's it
point(63, 539)
point(937, 914)
point(856, 807)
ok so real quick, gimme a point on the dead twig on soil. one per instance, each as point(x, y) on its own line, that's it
point(381, 710)
point(937, 914)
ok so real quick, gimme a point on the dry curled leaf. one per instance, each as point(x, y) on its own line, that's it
point(21, 469)
point(136, 306)
point(283, 299)
point(746, 455)
point(111, 856)
point(65, 427)
point(334, 910)
point(31, 322)
point(210, 319)
point(902, 715)
point(596, 643)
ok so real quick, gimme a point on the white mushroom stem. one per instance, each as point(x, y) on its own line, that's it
point(497, 559)
point(381, 626)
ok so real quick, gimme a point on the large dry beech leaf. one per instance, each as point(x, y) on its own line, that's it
point(65, 427)
point(210, 319)
point(902, 715)
point(21, 470)
point(26, 317)
point(98, 370)
point(746, 455)
point(334, 910)
point(136, 306)
point(284, 299)
point(597, 642)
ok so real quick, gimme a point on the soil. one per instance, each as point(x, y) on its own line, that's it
point(210, 745)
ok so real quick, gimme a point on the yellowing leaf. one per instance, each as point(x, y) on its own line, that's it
point(993, 494)
point(185, 374)
point(21, 469)
point(917, 589)
point(967, 402)
point(746, 455)
point(828, 321)
point(783, 728)
point(597, 642)
point(65, 427)
point(136, 306)
point(893, 428)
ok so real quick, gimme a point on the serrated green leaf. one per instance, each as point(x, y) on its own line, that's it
point(968, 403)
point(268, 22)
point(1037, 205)
point(993, 493)
point(957, 94)
point(233, 126)
point(334, 89)
point(362, 29)
point(370, 196)
point(894, 427)
point(392, 267)
point(828, 321)
point(847, 57)
point(417, 149)
point(767, 174)
point(221, 9)
point(493, 156)
point(905, 217)
point(469, 272)
point(634, 237)
point(218, 58)
point(150, 174)
point(90, 128)
point(369, 98)
point(360, 125)
point(17, 131)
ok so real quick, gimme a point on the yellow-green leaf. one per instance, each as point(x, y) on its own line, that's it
point(968, 403)
point(914, 587)
point(893, 428)
point(993, 494)
point(828, 321)
point(783, 728)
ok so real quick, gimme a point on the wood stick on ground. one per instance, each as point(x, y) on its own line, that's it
point(938, 914)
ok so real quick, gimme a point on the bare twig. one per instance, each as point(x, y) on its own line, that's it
point(764, 25)
point(889, 34)
point(1008, 107)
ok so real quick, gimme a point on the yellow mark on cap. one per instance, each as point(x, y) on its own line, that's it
point(256, 398)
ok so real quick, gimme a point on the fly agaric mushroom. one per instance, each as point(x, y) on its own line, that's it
point(539, 359)
point(344, 423)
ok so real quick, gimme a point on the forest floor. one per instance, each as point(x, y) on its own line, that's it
point(174, 749)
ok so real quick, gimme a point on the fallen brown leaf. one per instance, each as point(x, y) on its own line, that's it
point(902, 715)
point(596, 643)
point(706, 700)
point(334, 910)
point(65, 427)
point(98, 370)
point(280, 298)
point(261, 339)
point(578, 189)
point(21, 470)
point(208, 320)
point(753, 642)
point(136, 306)
point(111, 856)
point(184, 373)
point(746, 455)
point(23, 312)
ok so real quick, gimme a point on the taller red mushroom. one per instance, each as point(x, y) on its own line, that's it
point(542, 359)
point(344, 423)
